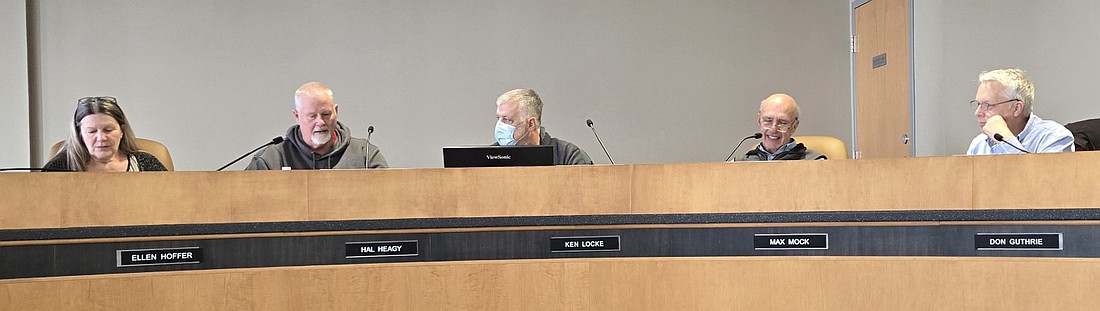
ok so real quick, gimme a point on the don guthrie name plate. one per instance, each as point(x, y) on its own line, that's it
point(1018, 241)
point(157, 256)
point(790, 241)
point(382, 249)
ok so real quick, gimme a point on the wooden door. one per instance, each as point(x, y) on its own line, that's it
point(883, 79)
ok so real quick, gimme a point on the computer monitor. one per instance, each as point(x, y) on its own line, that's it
point(486, 156)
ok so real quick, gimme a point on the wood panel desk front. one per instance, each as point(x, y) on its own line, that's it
point(71, 200)
point(65, 200)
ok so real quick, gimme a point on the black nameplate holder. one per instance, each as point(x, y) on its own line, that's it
point(790, 241)
point(580, 244)
point(157, 256)
point(381, 249)
point(1018, 241)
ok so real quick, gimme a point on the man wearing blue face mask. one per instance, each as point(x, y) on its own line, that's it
point(519, 122)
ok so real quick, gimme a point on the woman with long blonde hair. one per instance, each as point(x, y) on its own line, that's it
point(101, 140)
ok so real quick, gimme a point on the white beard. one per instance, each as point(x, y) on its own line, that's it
point(321, 138)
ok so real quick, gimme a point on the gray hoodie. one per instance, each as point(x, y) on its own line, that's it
point(347, 153)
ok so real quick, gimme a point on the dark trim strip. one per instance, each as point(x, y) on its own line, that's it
point(47, 260)
point(526, 221)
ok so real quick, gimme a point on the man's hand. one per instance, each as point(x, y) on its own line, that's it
point(996, 124)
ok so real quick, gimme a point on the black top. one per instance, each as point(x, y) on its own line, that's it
point(1086, 134)
point(146, 162)
point(799, 152)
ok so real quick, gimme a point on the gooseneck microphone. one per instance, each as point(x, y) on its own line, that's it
point(1000, 138)
point(753, 136)
point(273, 141)
point(589, 122)
point(32, 169)
point(370, 130)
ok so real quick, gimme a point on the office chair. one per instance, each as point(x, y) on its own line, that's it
point(153, 147)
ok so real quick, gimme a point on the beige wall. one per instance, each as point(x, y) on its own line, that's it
point(1055, 41)
point(663, 81)
point(15, 107)
point(213, 79)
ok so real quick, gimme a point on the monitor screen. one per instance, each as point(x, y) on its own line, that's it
point(486, 156)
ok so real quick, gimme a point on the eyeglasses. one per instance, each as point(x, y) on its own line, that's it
point(778, 124)
point(987, 107)
point(96, 99)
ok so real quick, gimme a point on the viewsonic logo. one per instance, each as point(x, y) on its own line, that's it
point(498, 157)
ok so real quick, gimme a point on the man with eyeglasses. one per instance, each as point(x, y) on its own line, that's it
point(1003, 107)
point(778, 119)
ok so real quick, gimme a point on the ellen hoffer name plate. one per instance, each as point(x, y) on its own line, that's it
point(381, 249)
point(790, 241)
point(1018, 241)
point(157, 256)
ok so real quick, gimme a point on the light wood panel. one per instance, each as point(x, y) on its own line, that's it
point(258, 196)
point(572, 190)
point(872, 184)
point(412, 193)
point(882, 105)
point(148, 199)
point(27, 200)
point(742, 283)
point(52, 200)
point(867, 20)
point(1028, 181)
point(56, 200)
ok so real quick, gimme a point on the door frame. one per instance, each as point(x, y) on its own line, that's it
point(912, 80)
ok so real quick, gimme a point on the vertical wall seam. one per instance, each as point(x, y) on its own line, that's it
point(34, 102)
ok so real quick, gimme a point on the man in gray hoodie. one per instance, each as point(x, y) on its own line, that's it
point(318, 141)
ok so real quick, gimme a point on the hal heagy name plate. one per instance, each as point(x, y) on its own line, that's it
point(381, 249)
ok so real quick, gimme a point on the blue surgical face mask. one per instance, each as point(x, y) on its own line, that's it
point(504, 134)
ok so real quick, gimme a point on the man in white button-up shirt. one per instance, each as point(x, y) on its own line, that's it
point(1003, 107)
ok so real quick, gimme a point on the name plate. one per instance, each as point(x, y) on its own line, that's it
point(790, 241)
point(575, 244)
point(1018, 241)
point(381, 249)
point(157, 256)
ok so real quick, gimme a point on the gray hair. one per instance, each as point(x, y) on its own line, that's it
point(1017, 86)
point(530, 105)
point(312, 89)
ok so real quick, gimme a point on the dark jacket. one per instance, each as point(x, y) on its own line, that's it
point(1086, 134)
point(347, 153)
point(799, 152)
point(565, 153)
